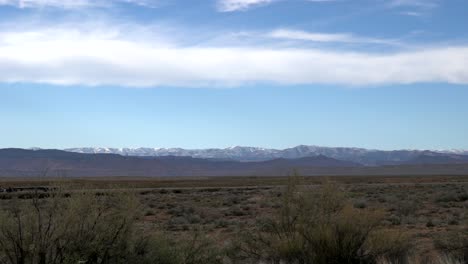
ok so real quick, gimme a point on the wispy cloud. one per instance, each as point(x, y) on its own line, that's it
point(415, 8)
point(146, 3)
point(104, 56)
point(321, 1)
point(237, 5)
point(240, 5)
point(326, 37)
point(412, 13)
point(72, 4)
point(415, 3)
point(44, 3)
point(222, 5)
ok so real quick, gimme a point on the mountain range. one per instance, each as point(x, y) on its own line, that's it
point(236, 161)
point(45, 163)
point(367, 157)
point(21, 162)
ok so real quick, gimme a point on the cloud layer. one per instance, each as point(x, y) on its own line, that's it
point(326, 37)
point(68, 56)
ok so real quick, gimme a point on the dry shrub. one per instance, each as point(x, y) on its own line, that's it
point(80, 228)
point(87, 228)
point(319, 227)
point(454, 245)
point(192, 249)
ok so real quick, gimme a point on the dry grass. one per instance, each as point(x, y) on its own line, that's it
point(421, 209)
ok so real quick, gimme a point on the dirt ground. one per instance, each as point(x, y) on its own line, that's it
point(420, 207)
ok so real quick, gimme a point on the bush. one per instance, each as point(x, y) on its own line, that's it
point(452, 197)
point(318, 228)
point(394, 220)
point(361, 204)
point(85, 228)
point(430, 223)
point(160, 249)
point(454, 245)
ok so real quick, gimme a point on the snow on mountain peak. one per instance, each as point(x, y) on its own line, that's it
point(240, 153)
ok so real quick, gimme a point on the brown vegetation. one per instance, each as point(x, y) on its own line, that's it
point(288, 220)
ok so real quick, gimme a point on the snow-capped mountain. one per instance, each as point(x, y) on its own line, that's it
point(454, 151)
point(235, 153)
point(358, 155)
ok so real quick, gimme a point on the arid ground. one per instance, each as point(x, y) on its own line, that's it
point(423, 208)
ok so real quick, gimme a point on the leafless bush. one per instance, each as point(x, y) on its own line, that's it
point(60, 229)
point(319, 227)
point(454, 245)
point(88, 228)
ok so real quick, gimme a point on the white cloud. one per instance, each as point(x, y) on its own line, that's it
point(237, 5)
point(302, 35)
point(146, 3)
point(70, 55)
point(321, 1)
point(415, 8)
point(412, 13)
point(414, 3)
point(72, 4)
point(43, 3)
point(326, 37)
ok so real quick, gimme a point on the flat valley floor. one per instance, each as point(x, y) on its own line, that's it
point(422, 207)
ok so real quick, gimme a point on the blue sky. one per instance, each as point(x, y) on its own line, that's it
point(387, 74)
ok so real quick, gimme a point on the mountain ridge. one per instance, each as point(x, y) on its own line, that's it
point(368, 157)
point(20, 162)
point(58, 163)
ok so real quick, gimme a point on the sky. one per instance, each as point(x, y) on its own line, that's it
point(382, 74)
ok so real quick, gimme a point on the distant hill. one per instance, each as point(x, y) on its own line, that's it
point(27, 163)
point(439, 159)
point(20, 162)
point(366, 157)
